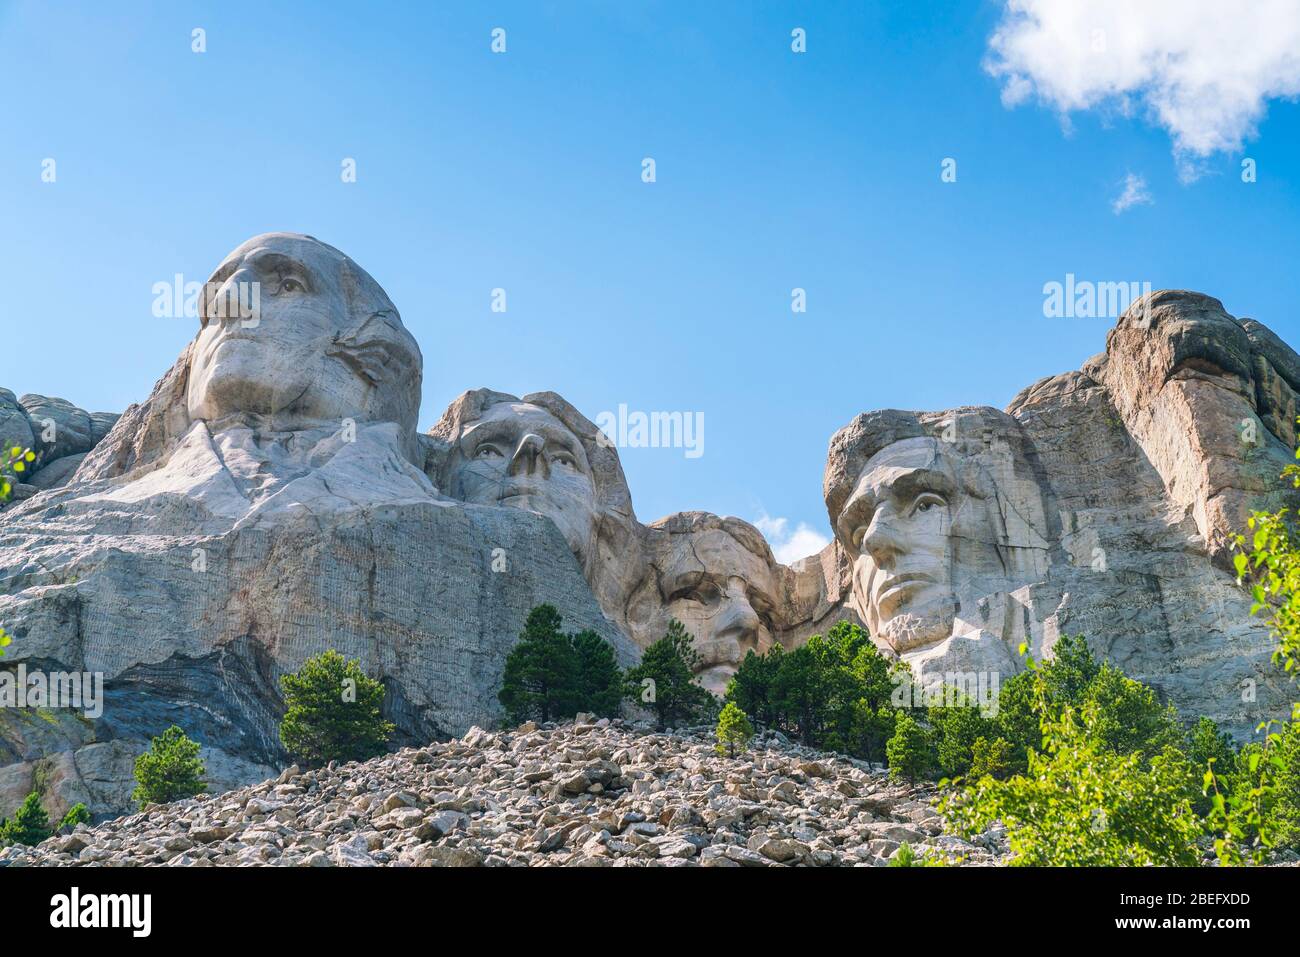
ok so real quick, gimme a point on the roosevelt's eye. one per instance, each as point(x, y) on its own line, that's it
point(488, 452)
point(927, 501)
point(704, 592)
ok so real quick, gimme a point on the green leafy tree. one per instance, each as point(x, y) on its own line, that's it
point(664, 681)
point(1130, 717)
point(1082, 804)
point(734, 730)
point(1208, 746)
point(29, 825)
point(77, 814)
point(333, 712)
point(910, 752)
point(600, 680)
point(990, 758)
point(170, 770)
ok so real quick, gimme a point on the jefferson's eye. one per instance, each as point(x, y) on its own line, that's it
point(487, 452)
point(926, 501)
point(564, 458)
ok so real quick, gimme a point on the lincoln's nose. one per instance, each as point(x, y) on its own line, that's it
point(528, 458)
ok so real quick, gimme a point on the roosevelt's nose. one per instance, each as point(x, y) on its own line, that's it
point(528, 458)
point(738, 620)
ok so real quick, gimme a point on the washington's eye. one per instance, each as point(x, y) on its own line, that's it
point(289, 284)
point(926, 501)
point(487, 452)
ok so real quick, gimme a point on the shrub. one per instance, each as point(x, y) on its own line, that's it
point(1082, 804)
point(29, 825)
point(910, 752)
point(333, 712)
point(1129, 716)
point(665, 679)
point(77, 814)
point(990, 758)
point(734, 730)
point(169, 771)
point(956, 729)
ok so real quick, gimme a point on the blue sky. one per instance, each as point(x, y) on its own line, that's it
point(522, 171)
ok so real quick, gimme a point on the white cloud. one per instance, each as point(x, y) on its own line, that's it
point(790, 546)
point(1135, 194)
point(1204, 70)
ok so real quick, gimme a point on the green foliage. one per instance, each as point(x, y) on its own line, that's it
point(550, 675)
point(906, 856)
point(14, 461)
point(1130, 718)
point(1082, 804)
point(169, 771)
point(29, 825)
point(77, 814)
point(541, 672)
point(833, 693)
point(910, 751)
point(600, 680)
point(734, 730)
point(1207, 746)
point(664, 681)
point(956, 729)
point(990, 758)
point(333, 712)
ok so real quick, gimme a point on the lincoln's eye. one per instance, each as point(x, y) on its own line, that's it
point(859, 534)
point(927, 501)
point(488, 452)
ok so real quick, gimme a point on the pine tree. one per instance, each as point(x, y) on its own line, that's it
point(542, 674)
point(169, 771)
point(910, 752)
point(30, 823)
point(333, 712)
point(600, 680)
point(665, 679)
point(734, 730)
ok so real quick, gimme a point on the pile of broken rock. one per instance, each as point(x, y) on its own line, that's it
point(588, 793)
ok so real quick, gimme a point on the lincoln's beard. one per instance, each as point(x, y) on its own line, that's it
point(910, 630)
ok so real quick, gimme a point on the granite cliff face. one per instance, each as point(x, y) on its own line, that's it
point(272, 499)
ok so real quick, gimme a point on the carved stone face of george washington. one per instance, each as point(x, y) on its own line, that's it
point(295, 336)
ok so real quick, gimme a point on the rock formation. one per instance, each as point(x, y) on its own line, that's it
point(1102, 502)
point(587, 794)
point(266, 503)
point(272, 499)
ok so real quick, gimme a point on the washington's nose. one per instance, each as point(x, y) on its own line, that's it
point(528, 457)
point(230, 299)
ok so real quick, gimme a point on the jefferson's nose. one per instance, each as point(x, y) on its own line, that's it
point(528, 458)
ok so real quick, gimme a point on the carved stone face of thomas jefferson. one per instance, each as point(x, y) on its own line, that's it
point(520, 455)
point(323, 344)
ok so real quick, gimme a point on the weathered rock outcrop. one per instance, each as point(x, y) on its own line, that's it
point(267, 502)
point(589, 794)
point(1102, 502)
point(59, 433)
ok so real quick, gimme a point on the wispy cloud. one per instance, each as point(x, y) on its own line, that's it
point(789, 546)
point(1135, 193)
point(1204, 70)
